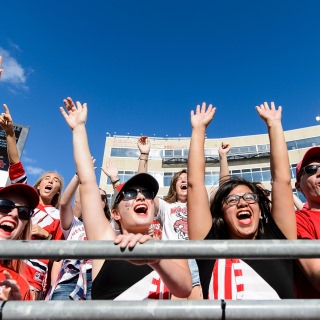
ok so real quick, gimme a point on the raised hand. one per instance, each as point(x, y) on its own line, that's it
point(144, 145)
point(9, 289)
point(110, 170)
point(202, 117)
point(270, 115)
point(6, 121)
point(74, 114)
point(224, 149)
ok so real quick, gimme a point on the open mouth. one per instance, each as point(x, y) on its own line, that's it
point(48, 187)
point(141, 209)
point(183, 187)
point(244, 217)
point(7, 226)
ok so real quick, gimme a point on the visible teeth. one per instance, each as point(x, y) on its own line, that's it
point(244, 214)
point(7, 226)
point(141, 208)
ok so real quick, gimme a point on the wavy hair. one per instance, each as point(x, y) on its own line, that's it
point(220, 228)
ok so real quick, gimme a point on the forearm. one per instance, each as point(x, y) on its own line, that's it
point(82, 155)
point(66, 211)
point(12, 149)
point(199, 217)
point(196, 159)
point(311, 268)
point(143, 163)
point(224, 167)
point(279, 159)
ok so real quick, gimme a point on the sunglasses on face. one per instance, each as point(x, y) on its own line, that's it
point(7, 206)
point(234, 199)
point(133, 193)
point(311, 169)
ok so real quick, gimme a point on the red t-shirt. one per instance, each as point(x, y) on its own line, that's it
point(21, 281)
point(308, 227)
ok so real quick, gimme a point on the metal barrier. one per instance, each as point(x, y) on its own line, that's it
point(153, 309)
point(262, 249)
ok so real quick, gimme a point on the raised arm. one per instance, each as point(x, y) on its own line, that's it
point(7, 125)
point(144, 146)
point(224, 167)
point(199, 216)
point(282, 208)
point(66, 211)
point(96, 224)
point(112, 172)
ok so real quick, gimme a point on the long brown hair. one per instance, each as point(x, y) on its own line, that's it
point(171, 196)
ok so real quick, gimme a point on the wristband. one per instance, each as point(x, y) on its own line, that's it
point(114, 182)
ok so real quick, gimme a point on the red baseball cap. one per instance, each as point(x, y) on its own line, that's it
point(311, 153)
point(25, 190)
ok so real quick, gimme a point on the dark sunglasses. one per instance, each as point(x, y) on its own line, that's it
point(133, 193)
point(6, 206)
point(311, 169)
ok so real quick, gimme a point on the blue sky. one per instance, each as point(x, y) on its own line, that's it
point(143, 65)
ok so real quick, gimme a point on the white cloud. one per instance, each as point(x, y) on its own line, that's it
point(13, 73)
point(34, 171)
point(25, 159)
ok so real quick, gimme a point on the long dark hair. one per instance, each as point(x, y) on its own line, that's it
point(171, 196)
point(106, 208)
point(220, 228)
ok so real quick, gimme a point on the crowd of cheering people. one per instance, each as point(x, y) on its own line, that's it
point(236, 209)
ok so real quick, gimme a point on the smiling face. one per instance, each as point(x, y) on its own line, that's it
point(182, 187)
point(309, 185)
point(48, 187)
point(242, 219)
point(134, 215)
point(11, 226)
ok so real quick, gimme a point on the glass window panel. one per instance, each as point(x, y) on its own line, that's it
point(168, 153)
point(178, 152)
point(257, 176)
point(247, 176)
point(291, 145)
point(263, 148)
point(266, 175)
point(208, 180)
point(167, 180)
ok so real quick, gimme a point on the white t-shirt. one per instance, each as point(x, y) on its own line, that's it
point(174, 220)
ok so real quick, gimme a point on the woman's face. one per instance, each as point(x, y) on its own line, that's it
point(242, 218)
point(135, 214)
point(182, 187)
point(11, 226)
point(49, 186)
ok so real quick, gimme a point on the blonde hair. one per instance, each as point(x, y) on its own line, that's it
point(16, 265)
point(56, 198)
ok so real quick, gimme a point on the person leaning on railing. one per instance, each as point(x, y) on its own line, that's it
point(241, 210)
point(133, 208)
